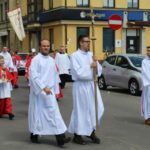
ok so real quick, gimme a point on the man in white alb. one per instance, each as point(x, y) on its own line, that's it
point(63, 63)
point(44, 115)
point(146, 87)
point(83, 120)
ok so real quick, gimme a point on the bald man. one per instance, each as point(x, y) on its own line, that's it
point(44, 115)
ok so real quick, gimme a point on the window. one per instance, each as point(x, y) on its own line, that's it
point(51, 37)
point(39, 5)
point(133, 41)
point(122, 61)
point(136, 61)
point(1, 12)
point(50, 4)
point(4, 40)
point(133, 3)
point(108, 40)
point(109, 3)
point(6, 9)
point(31, 1)
point(34, 7)
point(83, 3)
point(31, 11)
point(82, 31)
point(111, 60)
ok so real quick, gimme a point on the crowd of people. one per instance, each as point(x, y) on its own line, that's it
point(46, 76)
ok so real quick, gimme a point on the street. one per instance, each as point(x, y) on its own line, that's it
point(122, 127)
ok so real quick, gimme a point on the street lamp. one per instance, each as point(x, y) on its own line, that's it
point(93, 15)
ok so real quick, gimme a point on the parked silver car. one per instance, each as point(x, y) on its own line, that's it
point(122, 71)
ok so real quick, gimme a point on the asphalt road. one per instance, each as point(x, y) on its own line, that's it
point(122, 127)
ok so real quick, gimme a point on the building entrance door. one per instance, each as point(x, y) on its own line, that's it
point(133, 44)
point(133, 41)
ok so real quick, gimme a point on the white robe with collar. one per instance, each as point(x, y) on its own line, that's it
point(83, 120)
point(5, 89)
point(8, 60)
point(146, 88)
point(63, 63)
point(44, 116)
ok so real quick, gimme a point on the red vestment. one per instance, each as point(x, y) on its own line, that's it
point(60, 95)
point(16, 62)
point(5, 103)
point(27, 65)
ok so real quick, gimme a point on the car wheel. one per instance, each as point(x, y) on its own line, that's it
point(134, 87)
point(101, 83)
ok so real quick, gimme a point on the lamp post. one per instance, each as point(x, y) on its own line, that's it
point(93, 15)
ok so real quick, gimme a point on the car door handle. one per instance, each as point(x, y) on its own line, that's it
point(114, 69)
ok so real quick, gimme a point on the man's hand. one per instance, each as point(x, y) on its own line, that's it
point(47, 91)
point(95, 58)
point(94, 64)
point(57, 96)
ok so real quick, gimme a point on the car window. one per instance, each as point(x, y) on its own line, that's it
point(121, 61)
point(23, 56)
point(111, 60)
point(136, 61)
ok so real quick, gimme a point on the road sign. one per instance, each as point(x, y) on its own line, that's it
point(115, 22)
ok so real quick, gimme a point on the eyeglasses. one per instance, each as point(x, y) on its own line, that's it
point(86, 41)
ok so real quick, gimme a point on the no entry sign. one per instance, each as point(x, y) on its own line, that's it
point(115, 22)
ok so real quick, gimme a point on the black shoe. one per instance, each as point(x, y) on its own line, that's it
point(11, 116)
point(67, 139)
point(34, 138)
point(62, 139)
point(59, 139)
point(16, 86)
point(94, 138)
point(78, 139)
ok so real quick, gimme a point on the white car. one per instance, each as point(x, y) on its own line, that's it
point(122, 71)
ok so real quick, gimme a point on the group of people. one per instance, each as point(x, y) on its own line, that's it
point(62, 62)
point(8, 80)
point(44, 115)
point(46, 77)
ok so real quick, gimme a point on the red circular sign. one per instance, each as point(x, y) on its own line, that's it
point(115, 22)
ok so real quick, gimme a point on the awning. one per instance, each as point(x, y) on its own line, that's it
point(3, 33)
point(139, 23)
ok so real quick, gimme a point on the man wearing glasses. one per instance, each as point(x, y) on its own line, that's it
point(83, 120)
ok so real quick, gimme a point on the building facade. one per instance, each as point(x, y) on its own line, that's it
point(60, 22)
point(4, 29)
point(7, 34)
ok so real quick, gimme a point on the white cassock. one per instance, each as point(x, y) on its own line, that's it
point(63, 63)
point(44, 116)
point(15, 68)
point(83, 120)
point(8, 60)
point(5, 89)
point(146, 88)
point(8, 64)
